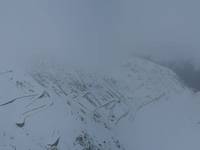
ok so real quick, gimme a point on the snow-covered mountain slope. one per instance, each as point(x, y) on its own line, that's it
point(167, 125)
point(77, 110)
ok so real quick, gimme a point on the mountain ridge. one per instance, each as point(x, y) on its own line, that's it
point(86, 106)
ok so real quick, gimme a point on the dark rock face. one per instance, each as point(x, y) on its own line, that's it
point(187, 72)
point(87, 142)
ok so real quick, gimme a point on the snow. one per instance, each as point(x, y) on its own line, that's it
point(166, 125)
point(140, 105)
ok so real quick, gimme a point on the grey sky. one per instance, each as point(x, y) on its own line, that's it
point(98, 31)
point(164, 26)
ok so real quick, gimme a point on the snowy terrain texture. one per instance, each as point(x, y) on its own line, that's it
point(138, 106)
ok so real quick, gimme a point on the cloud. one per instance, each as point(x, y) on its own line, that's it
point(97, 33)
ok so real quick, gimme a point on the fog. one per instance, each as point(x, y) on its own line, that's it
point(98, 33)
point(139, 108)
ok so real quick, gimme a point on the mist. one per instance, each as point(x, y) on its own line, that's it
point(63, 85)
point(76, 32)
point(103, 32)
